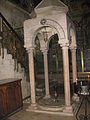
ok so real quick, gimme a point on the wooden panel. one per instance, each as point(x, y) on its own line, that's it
point(10, 98)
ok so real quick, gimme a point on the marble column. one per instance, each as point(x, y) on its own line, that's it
point(68, 107)
point(74, 70)
point(74, 66)
point(46, 74)
point(32, 79)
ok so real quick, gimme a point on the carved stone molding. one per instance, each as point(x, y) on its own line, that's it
point(30, 49)
point(65, 45)
point(58, 27)
point(44, 50)
point(73, 48)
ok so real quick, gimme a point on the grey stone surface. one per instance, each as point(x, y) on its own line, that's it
point(14, 14)
point(24, 115)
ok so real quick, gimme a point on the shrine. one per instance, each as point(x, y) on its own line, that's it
point(50, 20)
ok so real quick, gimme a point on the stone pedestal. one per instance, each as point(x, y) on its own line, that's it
point(32, 107)
point(68, 109)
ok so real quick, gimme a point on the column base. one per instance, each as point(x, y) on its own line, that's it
point(46, 97)
point(75, 97)
point(68, 109)
point(32, 107)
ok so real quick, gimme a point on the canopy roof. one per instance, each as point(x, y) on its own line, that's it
point(47, 3)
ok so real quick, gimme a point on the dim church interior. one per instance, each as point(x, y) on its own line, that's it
point(14, 57)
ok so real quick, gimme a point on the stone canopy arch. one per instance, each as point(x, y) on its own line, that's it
point(48, 23)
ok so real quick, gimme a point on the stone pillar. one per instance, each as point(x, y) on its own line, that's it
point(74, 70)
point(46, 75)
point(68, 107)
point(32, 79)
point(74, 66)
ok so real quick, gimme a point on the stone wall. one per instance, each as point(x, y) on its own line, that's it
point(7, 71)
point(14, 14)
point(15, 17)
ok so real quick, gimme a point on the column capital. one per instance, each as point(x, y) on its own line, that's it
point(30, 49)
point(73, 48)
point(64, 46)
point(44, 50)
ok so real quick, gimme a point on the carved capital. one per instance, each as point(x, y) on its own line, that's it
point(73, 48)
point(30, 49)
point(44, 50)
point(64, 45)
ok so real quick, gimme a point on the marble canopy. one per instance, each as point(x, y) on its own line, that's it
point(51, 16)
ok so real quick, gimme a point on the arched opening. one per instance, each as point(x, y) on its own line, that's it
point(48, 36)
point(47, 33)
point(41, 45)
point(39, 68)
point(56, 64)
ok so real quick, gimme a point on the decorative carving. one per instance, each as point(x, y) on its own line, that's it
point(64, 45)
point(43, 21)
point(70, 40)
point(49, 22)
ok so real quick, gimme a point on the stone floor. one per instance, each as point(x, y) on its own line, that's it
point(52, 101)
point(25, 115)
